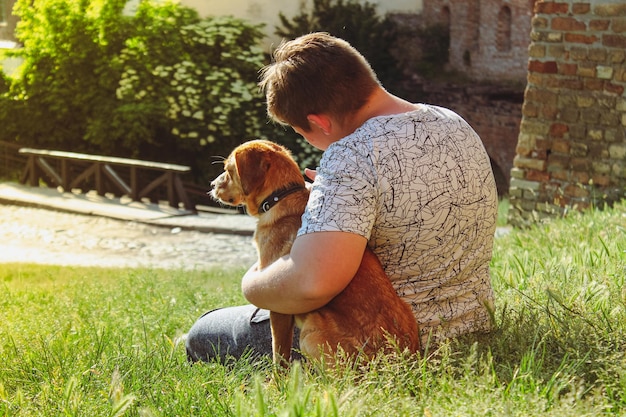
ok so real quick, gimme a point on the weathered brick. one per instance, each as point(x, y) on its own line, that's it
point(567, 100)
point(618, 169)
point(530, 109)
point(536, 36)
point(579, 149)
point(600, 180)
point(598, 150)
point(599, 25)
point(593, 84)
point(597, 54)
point(580, 38)
point(548, 67)
point(609, 118)
point(585, 101)
point(617, 151)
point(568, 69)
point(558, 130)
point(591, 115)
point(578, 53)
point(542, 96)
point(530, 163)
point(580, 177)
point(533, 79)
point(614, 134)
point(586, 69)
point(542, 146)
point(618, 25)
point(580, 164)
point(549, 112)
point(524, 185)
point(558, 51)
point(581, 8)
point(609, 9)
point(517, 173)
point(560, 146)
point(607, 101)
point(534, 175)
point(558, 162)
point(604, 72)
point(561, 175)
point(576, 191)
point(578, 131)
point(620, 105)
point(614, 41)
point(569, 115)
point(617, 56)
point(525, 144)
point(600, 167)
point(534, 127)
point(536, 51)
point(554, 37)
point(567, 24)
point(567, 83)
point(614, 88)
point(595, 134)
point(542, 7)
point(539, 22)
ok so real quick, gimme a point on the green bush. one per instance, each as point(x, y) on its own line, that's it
point(358, 23)
point(160, 84)
point(198, 91)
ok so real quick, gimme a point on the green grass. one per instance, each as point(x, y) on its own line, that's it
point(101, 342)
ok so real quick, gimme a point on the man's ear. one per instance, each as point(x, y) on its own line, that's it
point(252, 165)
point(321, 121)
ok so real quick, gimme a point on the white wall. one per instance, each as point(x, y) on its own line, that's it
point(266, 11)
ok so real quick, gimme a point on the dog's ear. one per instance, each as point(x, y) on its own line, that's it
point(252, 164)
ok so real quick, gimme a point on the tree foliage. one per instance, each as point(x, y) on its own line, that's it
point(160, 83)
point(354, 21)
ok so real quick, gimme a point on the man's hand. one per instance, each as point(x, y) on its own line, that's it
point(310, 173)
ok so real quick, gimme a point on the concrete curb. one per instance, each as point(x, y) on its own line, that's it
point(125, 209)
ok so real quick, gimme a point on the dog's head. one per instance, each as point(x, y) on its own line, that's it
point(252, 172)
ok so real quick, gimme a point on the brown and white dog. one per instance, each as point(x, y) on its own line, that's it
point(263, 176)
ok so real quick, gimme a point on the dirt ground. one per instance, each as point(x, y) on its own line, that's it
point(56, 238)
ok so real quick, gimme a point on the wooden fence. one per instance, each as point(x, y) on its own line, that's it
point(134, 178)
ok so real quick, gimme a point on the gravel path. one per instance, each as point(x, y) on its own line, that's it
point(50, 237)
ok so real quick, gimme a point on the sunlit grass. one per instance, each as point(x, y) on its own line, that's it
point(98, 342)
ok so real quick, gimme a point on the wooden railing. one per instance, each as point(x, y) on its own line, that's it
point(106, 174)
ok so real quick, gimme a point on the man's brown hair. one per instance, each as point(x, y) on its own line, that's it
point(313, 74)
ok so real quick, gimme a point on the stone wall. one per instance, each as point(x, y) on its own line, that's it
point(488, 38)
point(571, 150)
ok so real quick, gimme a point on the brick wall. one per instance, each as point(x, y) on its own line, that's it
point(571, 150)
point(488, 38)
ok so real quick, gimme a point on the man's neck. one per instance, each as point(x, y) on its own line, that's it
point(380, 103)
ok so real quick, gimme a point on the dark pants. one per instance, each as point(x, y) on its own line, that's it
point(231, 332)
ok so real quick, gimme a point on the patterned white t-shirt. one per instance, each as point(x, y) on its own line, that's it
point(420, 188)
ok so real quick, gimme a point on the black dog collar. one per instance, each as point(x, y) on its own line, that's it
point(276, 196)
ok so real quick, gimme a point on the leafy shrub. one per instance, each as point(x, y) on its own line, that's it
point(354, 21)
point(66, 80)
point(161, 84)
point(198, 91)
